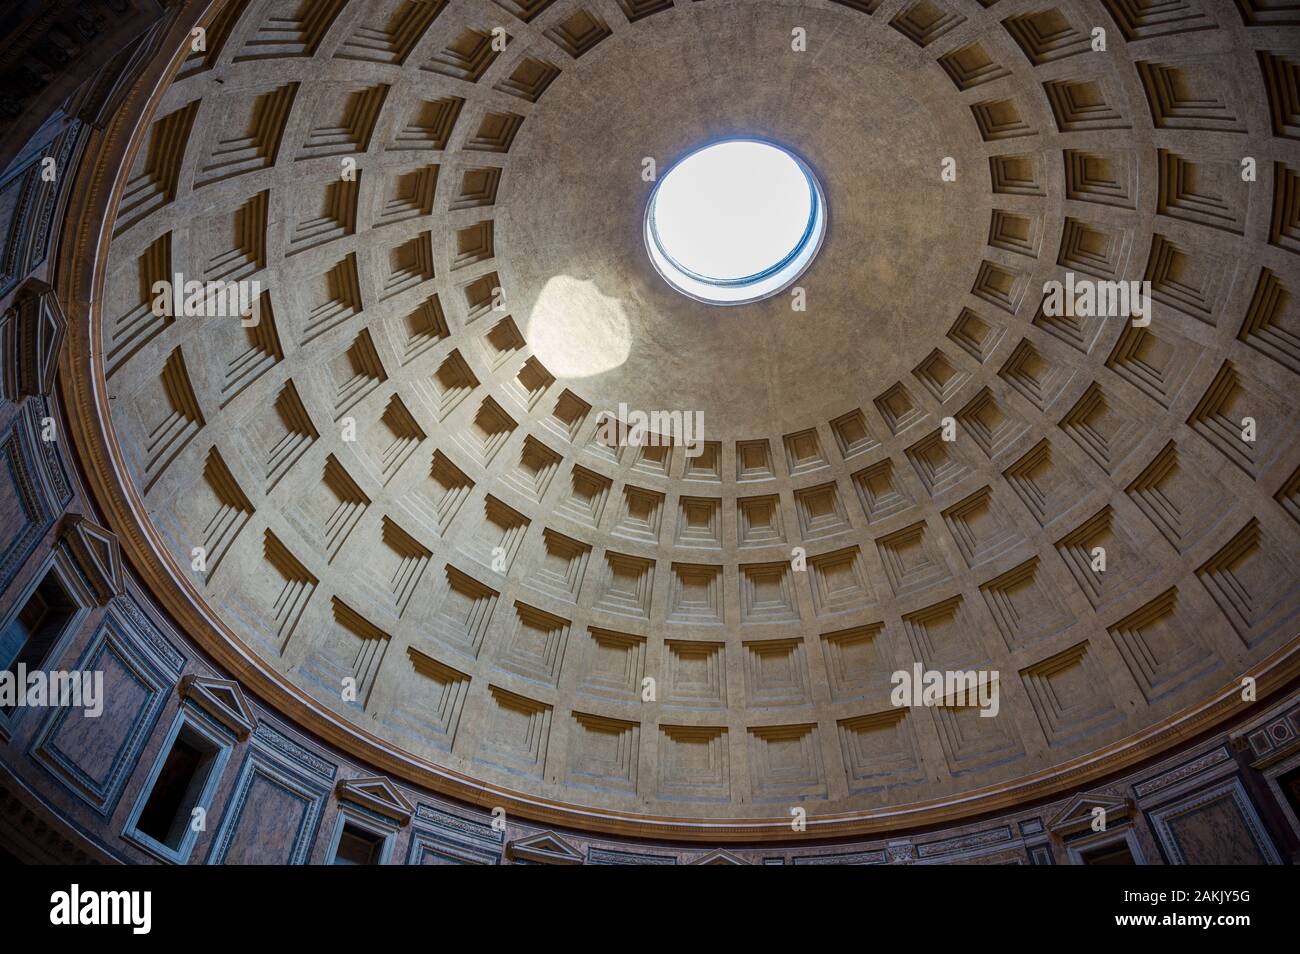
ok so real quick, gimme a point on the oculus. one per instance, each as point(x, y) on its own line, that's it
point(735, 221)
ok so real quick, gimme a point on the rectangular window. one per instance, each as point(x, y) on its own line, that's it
point(37, 626)
point(175, 793)
point(1113, 854)
point(184, 778)
point(358, 846)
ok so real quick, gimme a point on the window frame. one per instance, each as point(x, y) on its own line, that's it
point(348, 815)
point(58, 562)
point(1077, 850)
point(223, 744)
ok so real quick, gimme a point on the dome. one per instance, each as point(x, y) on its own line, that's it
point(644, 415)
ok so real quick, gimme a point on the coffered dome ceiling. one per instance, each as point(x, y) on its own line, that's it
point(497, 582)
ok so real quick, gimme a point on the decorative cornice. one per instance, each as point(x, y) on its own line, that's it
point(378, 795)
point(719, 856)
point(1078, 814)
point(97, 553)
point(1270, 739)
point(223, 700)
point(39, 328)
point(546, 848)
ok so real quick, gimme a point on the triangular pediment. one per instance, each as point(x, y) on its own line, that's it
point(223, 700)
point(377, 794)
point(720, 857)
point(42, 327)
point(1078, 813)
point(546, 848)
point(97, 552)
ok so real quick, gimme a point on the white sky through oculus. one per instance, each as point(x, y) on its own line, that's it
point(733, 210)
